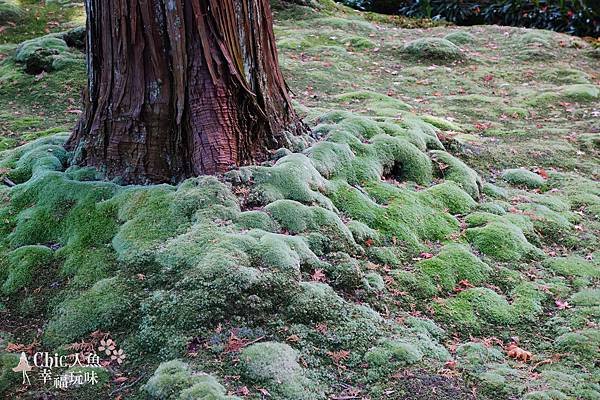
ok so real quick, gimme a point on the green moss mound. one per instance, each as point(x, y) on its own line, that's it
point(495, 192)
point(455, 170)
point(587, 297)
point(453, 264)
point(460, 37)
point(315, 302)
point(552, 224)
point(581, 92)
point(538, 37)
point(24, 264)
point(418, 341)
point(8, 378)
point(373, 102)
point(502, 241)
point(46, 53)
point(584, 343)
point(105, 305)
point(452, 197)
point(297, 218)
point(404, 214)
point(566, 76)
point(479, 309)
point(523, 177)
point(328, 244)
point(433, 49)
point(174, 380)
point(345, 24)
point(359, 42)
point(10, 11)
point(275, 365)
point(441, 123)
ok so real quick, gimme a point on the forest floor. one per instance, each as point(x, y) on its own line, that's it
point(436, 237)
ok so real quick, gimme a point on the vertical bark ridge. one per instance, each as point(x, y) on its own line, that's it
point(179, 88)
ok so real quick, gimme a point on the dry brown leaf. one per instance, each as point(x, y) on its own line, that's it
point(518, 353)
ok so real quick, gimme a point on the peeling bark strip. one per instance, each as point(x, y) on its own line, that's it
point(178, 88)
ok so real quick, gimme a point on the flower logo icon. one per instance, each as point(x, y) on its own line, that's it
point(107, 346)
point(118, 356)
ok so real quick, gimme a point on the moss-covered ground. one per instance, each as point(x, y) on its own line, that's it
point(436, 238)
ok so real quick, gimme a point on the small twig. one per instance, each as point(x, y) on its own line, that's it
point(129, 385)
point(8, 182)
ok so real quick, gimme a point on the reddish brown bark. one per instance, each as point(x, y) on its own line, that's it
point(179, 88)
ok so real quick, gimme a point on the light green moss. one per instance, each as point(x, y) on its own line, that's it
point(495, 192)
point(358, 42)
point(539, 37)
point(104, 306)
point(48, 53)
point(297, 218)
point(357, 329)
point(475, 356)
point(454, 263)
point(373, 101)
point(65, 212)
point(565, 76)
point(386, 255)
point(257, 220)
point(315, 302)
point(572, 266)
point(143, 231)
point(556, 203)
point(416, 343)
point(174, 380)
point(345, 24)
point(361, 127)
point(420, 133)
point(393, 353)
point(363, 233)
point(10, 10)
point(551, 224)
point(500, 380)
point(407, 215)
point(402, 159)
point(221, 275)
point(433, 49)
point(36, 157)
point(588, 297)
point(452, 197)
point(476, 309)
point(502, 241)
point(460, 37)
point(344, 271)
point(453, 169)
point(441, 123)
point(481, 218)
point(493, 208)
point(8, 379)
point(523, 177)
point(293, 177)
point(581, 92)
point(417, 285)
point(546, 395)
point(275, 366)
point(373, 282)
point(584, 343)
point(24, 264)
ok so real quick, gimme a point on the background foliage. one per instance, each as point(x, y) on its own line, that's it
point(577, 17)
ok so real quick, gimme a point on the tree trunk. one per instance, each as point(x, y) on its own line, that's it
point(179, 88)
